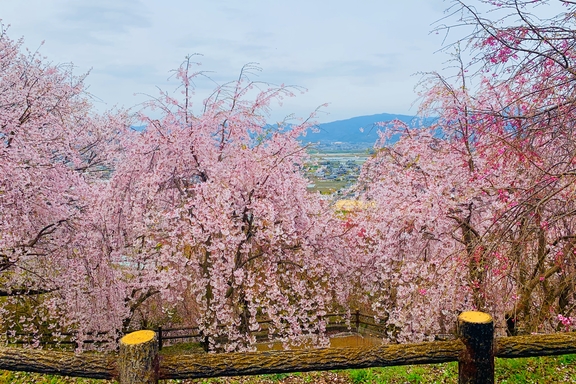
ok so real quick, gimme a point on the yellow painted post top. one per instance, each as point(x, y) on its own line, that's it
point(138, 337)
point(475, 317)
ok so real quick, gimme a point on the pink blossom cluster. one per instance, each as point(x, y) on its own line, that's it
point(204, 218)
point(567, 322)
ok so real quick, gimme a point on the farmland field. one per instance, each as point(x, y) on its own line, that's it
point(330, 172)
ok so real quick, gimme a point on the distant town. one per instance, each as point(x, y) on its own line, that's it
point(332, 172)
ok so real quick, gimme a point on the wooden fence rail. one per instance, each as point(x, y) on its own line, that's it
point(474, 351)
point(335, 322)
point(339, 321)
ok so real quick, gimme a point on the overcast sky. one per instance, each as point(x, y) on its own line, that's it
point(360, 56)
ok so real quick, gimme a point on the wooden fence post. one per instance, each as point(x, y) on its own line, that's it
point(476, 362)
point(138, 360)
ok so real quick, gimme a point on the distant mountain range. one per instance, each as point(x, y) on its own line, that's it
point(360, 131)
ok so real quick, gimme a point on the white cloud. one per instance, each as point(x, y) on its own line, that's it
point(357, 55)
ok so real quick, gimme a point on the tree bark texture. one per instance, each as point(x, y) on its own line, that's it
point(104, 366)
point(256, 363)
point(476, 361)
point(89, 365)
point(536, 345)
point(138, 360)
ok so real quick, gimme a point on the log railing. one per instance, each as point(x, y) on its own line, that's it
point(139, 361)
point(342, 321)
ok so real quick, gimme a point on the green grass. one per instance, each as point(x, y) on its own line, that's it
point(28, 378)
point(182, 348)
point(561, 369)
point(440, 373)
point(327, 186)
point(551, 369)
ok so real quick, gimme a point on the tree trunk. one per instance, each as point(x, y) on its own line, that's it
point(476, 362)
point(138, 360)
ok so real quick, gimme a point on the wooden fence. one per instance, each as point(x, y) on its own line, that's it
point(139, 361)
point(62, 339)
point(335, 322)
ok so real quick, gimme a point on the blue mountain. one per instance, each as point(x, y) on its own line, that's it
point(357, 130)
point(360, 132)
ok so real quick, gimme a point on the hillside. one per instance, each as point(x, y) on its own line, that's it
point(360, 131)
